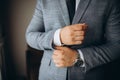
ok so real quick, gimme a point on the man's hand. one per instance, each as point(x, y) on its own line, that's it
point(64, 57)
point(73, 34)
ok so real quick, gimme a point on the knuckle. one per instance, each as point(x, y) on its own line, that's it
point(57, 65)
point(69, 28)
point(79, 27)
point(61, 58)
point(81, 42)
point(82, 37)
point(72, 39)
point(54, 61)
point(71, 33)
point(78, 42)
point(55, 51)
point(82, 32)
point(62, 52)
point(62, 63)
point(52, 56)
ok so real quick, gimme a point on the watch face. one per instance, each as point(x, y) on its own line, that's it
point(79, 63)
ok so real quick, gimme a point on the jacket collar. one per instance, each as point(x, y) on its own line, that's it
point(82, 7)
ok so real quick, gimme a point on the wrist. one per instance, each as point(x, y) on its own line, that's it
point(75, 56)
point(56, 40)
point(78, 61)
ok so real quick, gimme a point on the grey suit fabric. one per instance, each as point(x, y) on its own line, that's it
point(101, 47)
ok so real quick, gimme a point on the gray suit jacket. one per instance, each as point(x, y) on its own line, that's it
point(100, 47)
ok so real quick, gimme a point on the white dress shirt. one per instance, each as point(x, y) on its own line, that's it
point(57, 41)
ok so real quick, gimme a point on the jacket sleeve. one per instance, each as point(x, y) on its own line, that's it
point(102, 54)
point(36, 36)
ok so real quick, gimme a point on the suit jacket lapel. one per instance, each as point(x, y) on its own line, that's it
point(83, 5)
point(64, 11)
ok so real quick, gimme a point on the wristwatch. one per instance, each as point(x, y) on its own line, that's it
point(78, 61)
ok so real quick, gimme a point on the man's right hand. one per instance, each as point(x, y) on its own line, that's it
point(73, 34)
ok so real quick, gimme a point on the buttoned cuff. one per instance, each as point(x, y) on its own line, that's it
point(56, 40)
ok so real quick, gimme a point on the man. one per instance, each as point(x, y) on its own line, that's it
point(86, 50)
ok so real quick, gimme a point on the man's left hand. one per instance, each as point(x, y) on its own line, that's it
point(64, 56)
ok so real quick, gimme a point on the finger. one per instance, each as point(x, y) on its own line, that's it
point(79, 38)
point(85, 26)
point(80, 33)
point(59, 62)
point(64, 64)
point(58, 56)
point(54, 57)
point(55, 61)
point(60, 65)
point(56, 52)
point(78, 42)
point(78, 27)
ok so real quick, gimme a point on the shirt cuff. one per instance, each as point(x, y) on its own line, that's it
point(82, 57)
point(56, 40)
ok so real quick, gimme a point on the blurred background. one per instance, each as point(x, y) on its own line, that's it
point(15, 16)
